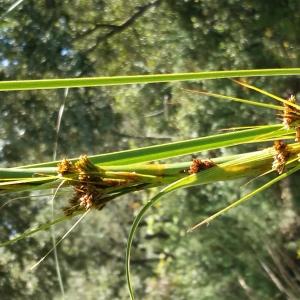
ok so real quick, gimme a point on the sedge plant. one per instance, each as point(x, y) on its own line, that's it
point(99, 179)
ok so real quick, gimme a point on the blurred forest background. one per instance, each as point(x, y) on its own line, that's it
point(251, 252)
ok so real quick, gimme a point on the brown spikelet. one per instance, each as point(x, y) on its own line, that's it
point(281, 156)
point(199, 165)
point(65, 167)
point(86, 170)
point(88, 184)
point(297, 139)
point(291, 117)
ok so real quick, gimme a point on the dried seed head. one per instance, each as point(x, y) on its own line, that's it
point(87, 171)
point(199, 165)
point(86, 196)
point(288, 112)
point(297, 139)
point(65, 167)
point(291, 116)
point(92, 188)
point(88, 184)
point(281, 156)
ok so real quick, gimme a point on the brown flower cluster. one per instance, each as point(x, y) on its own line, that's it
point(199, 165)
point(291, 117)
point(281, 156)
point(88, 184)
point(86, 196)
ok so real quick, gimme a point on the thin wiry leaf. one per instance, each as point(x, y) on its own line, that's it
point(60, 240)
point(235, 99)
point(38, 228)
point(263, 92)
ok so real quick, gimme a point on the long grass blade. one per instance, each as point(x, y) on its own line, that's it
point(136, 79)
point(164, 151)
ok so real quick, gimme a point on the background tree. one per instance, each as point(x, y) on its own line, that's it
point(251, 252)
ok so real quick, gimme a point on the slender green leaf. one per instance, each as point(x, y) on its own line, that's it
point(136, 79)
point(163, 151)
